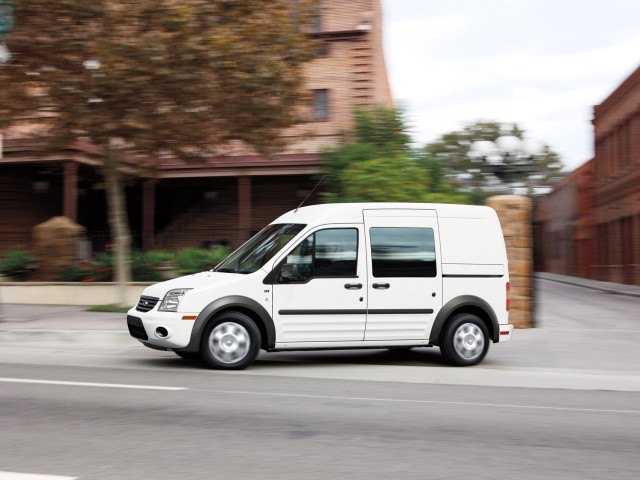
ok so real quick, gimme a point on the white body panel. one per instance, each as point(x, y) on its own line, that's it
point(295, 305)
point(389, 309)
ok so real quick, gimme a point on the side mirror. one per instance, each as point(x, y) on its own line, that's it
point(289, 271)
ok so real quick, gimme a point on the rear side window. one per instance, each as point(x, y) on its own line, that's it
point(403, 252)
point(326, 253)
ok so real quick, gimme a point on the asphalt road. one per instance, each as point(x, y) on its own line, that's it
point(561, 402)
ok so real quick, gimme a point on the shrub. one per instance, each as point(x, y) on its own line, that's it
point(144, 266)
point(194, 260)
point(18, 263)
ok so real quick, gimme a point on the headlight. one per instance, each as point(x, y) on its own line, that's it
point(172, 299)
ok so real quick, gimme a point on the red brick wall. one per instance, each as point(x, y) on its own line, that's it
point(617, 183)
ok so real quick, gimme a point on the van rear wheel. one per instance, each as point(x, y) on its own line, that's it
point(230, 342)
point(465, 340)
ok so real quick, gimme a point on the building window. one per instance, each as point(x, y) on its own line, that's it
point(321, 105)
point(324, 49)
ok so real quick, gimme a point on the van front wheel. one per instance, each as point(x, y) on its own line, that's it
point(230, 342)
point(465, 340)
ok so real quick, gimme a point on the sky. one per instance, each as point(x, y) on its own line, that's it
point(542, 64)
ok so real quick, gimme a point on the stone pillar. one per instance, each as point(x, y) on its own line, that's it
point(70, 195)
point(244, 209)
point(57, 243)
point(148, 214)
point(514, 212)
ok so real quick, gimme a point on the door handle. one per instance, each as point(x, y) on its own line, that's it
point(381, 286)
point(353, 286)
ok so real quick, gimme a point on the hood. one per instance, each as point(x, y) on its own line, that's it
point(197, 280)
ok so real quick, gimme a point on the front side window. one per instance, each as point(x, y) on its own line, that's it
point(326, 253)
point(403, 252)
point(260, 249)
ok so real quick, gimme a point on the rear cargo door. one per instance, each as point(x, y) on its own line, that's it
point(404, 273)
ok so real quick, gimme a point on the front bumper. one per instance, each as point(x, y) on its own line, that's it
point(161, 330)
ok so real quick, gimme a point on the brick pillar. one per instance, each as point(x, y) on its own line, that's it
point(148, 214)
point(244, 209)
point(514, 212)
point(70, 192)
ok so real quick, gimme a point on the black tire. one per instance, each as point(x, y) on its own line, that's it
point(230, 342)
point(465, 340)
point(188, 355)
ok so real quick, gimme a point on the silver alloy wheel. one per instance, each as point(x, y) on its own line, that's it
point(468, 341)
point(229, 342)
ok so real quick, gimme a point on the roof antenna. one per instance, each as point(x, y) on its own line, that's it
point(312, 190)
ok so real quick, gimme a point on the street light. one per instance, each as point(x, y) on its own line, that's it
point(509, 160)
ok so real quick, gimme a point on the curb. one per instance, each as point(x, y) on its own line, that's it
point(614, 288)
point(71, 338)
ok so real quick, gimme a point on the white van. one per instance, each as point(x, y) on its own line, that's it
point(369, 275)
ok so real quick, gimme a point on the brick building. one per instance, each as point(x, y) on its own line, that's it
point(563, 223)
point(617, 183)
point(230, 196)
point(589, 226)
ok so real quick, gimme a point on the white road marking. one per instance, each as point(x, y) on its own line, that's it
point(88, 384)
point(31, 476)
point(433, 402)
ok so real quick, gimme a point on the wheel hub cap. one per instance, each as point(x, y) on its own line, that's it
point(229, 342)
point(468, 341)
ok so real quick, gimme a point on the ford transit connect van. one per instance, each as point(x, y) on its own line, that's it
point(371, 275)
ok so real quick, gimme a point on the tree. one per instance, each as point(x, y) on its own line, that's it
point(476, 173)
point(379, 165)
point(154, 78)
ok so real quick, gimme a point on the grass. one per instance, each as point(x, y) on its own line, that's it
point(108, 308)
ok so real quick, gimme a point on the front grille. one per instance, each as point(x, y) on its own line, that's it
point(136, 329)
point(146, 303)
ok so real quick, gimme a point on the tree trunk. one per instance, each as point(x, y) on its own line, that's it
point(118, 221)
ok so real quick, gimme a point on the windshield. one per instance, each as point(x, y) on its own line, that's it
point(260, 249)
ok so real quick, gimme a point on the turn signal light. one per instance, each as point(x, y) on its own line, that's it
point(189, 317)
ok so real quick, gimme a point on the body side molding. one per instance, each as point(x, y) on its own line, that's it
point(226, 303)
point(454, 304)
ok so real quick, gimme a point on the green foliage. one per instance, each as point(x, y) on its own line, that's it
point(98, 270)
point(453, 148)
point(108, 308)
point(380, 166)
point(194, 260)
point(144, 266)
point(383, 128)
point(176, 77)
point(18, 263)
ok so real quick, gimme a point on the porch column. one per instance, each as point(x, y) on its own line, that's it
point(244, 209)
point(148, 214)
point(70, 191)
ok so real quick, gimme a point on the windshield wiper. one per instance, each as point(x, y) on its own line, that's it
point(227, 270)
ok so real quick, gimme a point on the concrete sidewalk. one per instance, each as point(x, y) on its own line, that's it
point(608, 287)
point(62, 326)
point(58, 317)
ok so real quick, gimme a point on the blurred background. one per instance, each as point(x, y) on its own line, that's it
point(176, 132)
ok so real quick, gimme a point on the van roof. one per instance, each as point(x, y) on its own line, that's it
point(352, 212)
